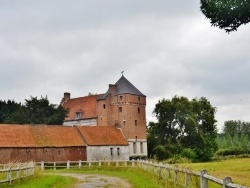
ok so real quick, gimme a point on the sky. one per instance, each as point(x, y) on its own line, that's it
point(164, 47)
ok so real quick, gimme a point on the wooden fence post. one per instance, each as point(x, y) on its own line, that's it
point(99, 163)
point(226, 181)
point(68, 164)
point(187, 177)
point(176, 173)
point(9, 175)
point(80, 164)
point(54, 165)
point(42, 165)
point(18, 171)
point(204, 182)
point(168, 171)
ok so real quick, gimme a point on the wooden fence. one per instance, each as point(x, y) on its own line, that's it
point(11, 172)
point(171, 173)
point(180, 177)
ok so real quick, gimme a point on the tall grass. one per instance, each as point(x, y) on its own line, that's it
point(237, 169)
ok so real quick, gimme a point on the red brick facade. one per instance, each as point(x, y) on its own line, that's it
point(46, 154)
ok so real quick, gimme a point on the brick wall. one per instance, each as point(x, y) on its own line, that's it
point(126, 111)
point(42, 154)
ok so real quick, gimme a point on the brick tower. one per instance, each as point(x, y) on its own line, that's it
point(124, 106)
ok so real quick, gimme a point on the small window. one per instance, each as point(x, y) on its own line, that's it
point(134, 147)
point(135, 122)
point(139, 98)
point(111, 152)
point(120, 109)
point(118, 151)
point(124, 122)
point(138, 110)
point(78, 115)
point(141, 144)
point(104, 106)
point(120, 97)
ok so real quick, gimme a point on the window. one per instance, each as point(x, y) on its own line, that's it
point(120, 109)
point(139, 98)
point(124, 122)
point(138, 110)
point(118, 151)
point(104, 106)
point(134, 147)
point(78, 115)
point(111, 152)
point(135, 122)
point(120, 97)
point(141, 144)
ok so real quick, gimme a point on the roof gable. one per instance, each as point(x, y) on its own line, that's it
point(85, 105)
point(102, 135)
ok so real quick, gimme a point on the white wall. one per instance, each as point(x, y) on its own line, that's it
point(81, 122)
point(138, 148)
point(103, 153)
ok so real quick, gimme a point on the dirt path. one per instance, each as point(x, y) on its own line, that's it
point(96, 180)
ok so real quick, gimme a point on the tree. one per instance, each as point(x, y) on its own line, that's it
point(226, 14)
point(184, 124)
point(37, 111)
point(7, 108)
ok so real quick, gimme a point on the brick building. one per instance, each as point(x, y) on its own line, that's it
point(122, 106)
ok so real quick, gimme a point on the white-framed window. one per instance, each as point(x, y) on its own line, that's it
point(78, 115)
point(141, 146)
point(134, 147)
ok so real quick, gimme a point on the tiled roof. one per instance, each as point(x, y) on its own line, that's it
point(85, 105)
point(39, 136)
point(102, 135)
point(124, 87)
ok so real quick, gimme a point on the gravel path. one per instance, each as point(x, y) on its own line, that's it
point(96, 180)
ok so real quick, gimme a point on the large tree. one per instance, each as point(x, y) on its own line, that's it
point(226, 14)
point(36, 111)
point(183, 124)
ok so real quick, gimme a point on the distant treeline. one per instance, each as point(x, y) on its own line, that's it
point(33, 111)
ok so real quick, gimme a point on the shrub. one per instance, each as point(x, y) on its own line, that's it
point(231, 151)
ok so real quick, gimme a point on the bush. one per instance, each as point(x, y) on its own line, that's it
point(231, 151)
point(188, 153)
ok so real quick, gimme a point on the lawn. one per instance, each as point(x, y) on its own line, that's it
point(237, 169)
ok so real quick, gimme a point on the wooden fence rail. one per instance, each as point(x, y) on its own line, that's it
point(11, 172)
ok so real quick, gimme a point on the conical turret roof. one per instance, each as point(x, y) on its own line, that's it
point(124, 87)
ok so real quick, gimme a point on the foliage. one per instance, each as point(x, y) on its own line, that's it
point(183, 123)
point(227, 15)
point(230, 151)
point(34, 111)
point(233, 127)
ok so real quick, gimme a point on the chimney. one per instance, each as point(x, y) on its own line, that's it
point(113, 89)
point(66, 96)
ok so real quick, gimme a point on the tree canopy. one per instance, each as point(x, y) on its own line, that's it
point(226, 14)
point(33, 111)
point(185, 127)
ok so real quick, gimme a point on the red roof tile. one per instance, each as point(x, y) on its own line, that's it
point(87, 105)
point(102, 135)
point(39, 136)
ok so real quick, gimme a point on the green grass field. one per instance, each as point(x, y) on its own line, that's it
point(237, 169)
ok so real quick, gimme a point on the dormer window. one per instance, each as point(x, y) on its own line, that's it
point(78, 115)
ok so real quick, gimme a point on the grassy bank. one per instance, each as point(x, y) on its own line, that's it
point(237, 169)
point(42, 181)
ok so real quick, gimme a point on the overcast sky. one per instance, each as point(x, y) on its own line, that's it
point(165, 47)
